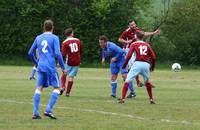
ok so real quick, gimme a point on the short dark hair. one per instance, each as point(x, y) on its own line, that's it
point(131, 20)
point(48, 25)
point(140, 35)
point(68, 31)
point(103, 37)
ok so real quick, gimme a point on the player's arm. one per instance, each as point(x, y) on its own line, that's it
point(153, 58)
point(103, 58)
point(122, 38)
point(58, 54)
point(119, 53)
point(146, 34)
point(64, 52)
point(130, 53)
point(31, 52)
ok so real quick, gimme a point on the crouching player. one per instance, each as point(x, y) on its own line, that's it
point(71, 48)
point(109, 49)
point(144, 62)
point(48, 46)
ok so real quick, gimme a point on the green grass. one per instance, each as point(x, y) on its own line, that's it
point(91, 108)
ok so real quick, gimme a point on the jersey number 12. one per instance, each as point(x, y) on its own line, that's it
point(143, 50)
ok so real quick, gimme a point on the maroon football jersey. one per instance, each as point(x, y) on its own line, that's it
point(143, 52)
point(129, 34)
point(71, 48)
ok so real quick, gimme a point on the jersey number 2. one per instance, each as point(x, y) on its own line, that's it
point(143, 50)
point(44, 44)
point(73, 47)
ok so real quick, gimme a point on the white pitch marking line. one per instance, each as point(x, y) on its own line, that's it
point(106, 113)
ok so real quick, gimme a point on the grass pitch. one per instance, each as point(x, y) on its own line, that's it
point(90, 107)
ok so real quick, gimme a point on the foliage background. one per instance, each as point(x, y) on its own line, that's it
point(21, 21)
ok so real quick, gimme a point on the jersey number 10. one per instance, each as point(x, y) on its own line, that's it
point(73, 47)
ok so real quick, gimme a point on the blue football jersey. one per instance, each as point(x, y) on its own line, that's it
point(48, 46)
point(112, 50)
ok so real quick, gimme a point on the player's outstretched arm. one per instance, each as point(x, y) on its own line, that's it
point(146, 34)
point(31, 52)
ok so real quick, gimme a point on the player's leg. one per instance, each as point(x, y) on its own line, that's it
point(146, 75)
point(130, 86)
point(55, 82)
point(130, 76)
point(114, 85)
point(124, 75)
point(139, 83)
point(33, 73)
point(69, 85)
point(63, 81)
point(53, 99)
point(114, 74)
point(71, 74)
point(36, 98)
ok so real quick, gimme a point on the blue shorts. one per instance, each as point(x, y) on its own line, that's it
point(46, 79)
point(115, 67)
point(71, 70)
point(139, 67)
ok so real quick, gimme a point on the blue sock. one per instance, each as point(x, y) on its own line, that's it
point(52, 100)
point(114, 87)
point(131, 88)
point(33, 72)
point(36, 102)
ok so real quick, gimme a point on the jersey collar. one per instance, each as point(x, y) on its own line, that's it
point(47, 32)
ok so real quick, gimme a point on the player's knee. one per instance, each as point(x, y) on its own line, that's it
point(38, 90)
point(71, 78)
point(113, 81)
point(113, 77)
point(127, 81)
point(124, 77)
point(56, 90)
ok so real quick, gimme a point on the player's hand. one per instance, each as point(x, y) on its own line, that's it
point(129, 41)
point(152, 69)
point(113, 60)
point(64, 72)
point(103, 62)
point(35, 65)
point(124, 66)
point(157, 31)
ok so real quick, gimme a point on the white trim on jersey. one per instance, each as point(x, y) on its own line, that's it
point(47, 33)
point(70, 38)
point(139, 41)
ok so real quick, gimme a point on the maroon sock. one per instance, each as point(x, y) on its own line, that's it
point(149, 89)
point(124, 90)
point(63, 81)
point(69, 86)
point(137, 79)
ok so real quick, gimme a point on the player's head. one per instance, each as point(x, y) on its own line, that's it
point(48, 26)
point(131, 24)
point(103, 41)
point(140, 35)
point(69, 32)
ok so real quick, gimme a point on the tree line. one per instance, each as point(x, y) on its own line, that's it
point(21, 22)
